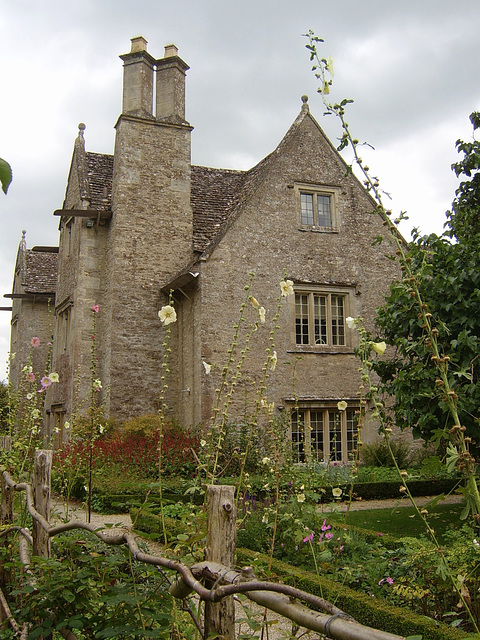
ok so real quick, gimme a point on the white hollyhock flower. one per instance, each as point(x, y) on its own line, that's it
point(286, 288)
point(167, 314)
point(379, 347)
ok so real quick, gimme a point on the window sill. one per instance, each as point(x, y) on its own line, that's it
point(315, 229)
point(321, 349)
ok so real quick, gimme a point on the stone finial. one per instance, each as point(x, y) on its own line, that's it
point(81, 129)
point(305, 106)
point(138, 44)
point(170, 51)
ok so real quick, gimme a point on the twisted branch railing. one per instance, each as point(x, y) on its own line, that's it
point(282, 599)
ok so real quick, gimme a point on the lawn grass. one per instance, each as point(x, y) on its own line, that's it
point(404, 521)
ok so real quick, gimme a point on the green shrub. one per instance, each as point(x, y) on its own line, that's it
point(372, 612)
point(377, 454)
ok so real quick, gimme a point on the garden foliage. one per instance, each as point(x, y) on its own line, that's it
point(447, 274)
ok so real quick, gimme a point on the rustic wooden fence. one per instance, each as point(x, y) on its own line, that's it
point(214, 580)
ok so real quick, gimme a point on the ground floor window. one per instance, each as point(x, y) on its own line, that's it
point(323, 434)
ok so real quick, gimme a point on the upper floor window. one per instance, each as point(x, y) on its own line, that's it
point(316, 209)
point(317, 206)
point(320, 318)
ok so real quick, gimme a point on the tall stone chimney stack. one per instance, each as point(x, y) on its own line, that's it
point(138, 68)
point(170, 92)
point(150, 235)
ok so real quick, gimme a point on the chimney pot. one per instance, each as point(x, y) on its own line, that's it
point(138, 44)
point(170, 51)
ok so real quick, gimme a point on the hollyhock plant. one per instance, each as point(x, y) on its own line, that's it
point(261, 313)
point(95, 308)
point(350, 322)
point(286, 288)
point(167, 314)
point(273, 361)
point(30, 377)
point(45, 382)
point(379, 347)
point(35, 342)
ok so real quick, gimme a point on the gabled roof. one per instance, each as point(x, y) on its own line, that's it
point(100, 176)
point(214, 193)
point(217, 195)
point(40, 272)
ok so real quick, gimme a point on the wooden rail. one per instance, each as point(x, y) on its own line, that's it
point(214, 581)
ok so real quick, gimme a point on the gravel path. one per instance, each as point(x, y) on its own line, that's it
point(77, 511)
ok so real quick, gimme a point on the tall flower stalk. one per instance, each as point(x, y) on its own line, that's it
point(168, 316)
point(94, 411)
point(458, 451)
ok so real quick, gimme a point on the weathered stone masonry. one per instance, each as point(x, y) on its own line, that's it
point(145, 224)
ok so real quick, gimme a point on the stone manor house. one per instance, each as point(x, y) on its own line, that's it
point(145, 225)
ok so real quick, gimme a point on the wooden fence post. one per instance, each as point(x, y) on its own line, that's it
point(42, 467)
point(221, 536)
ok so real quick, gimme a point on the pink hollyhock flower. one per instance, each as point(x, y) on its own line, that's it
point(35, 342)
point(95, 308)
point(45, 382)
point(325, 526)
point(387, 580)
point(30, 377)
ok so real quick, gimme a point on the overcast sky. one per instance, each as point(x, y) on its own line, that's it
point(412, 67)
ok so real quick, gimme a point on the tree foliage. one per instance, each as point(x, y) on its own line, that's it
point(446, 271)
point(5, 175)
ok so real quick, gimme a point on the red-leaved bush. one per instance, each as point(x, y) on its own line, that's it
point(136, 453)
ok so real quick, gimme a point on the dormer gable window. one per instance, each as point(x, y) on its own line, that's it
point(317, 208)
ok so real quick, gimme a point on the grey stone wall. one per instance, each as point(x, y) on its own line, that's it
point(267, 238)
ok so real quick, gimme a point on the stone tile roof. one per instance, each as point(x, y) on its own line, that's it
point(40, 273)
point(100, 175)
point(214, 194)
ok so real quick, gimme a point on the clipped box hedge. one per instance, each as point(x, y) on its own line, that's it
point(384, 490)
point(371, 612)
point(144, 520)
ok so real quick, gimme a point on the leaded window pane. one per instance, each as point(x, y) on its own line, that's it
point(306, 200)
point(324, 211)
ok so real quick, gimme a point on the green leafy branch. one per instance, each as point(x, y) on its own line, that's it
point(323, 69)
point(5, 175)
